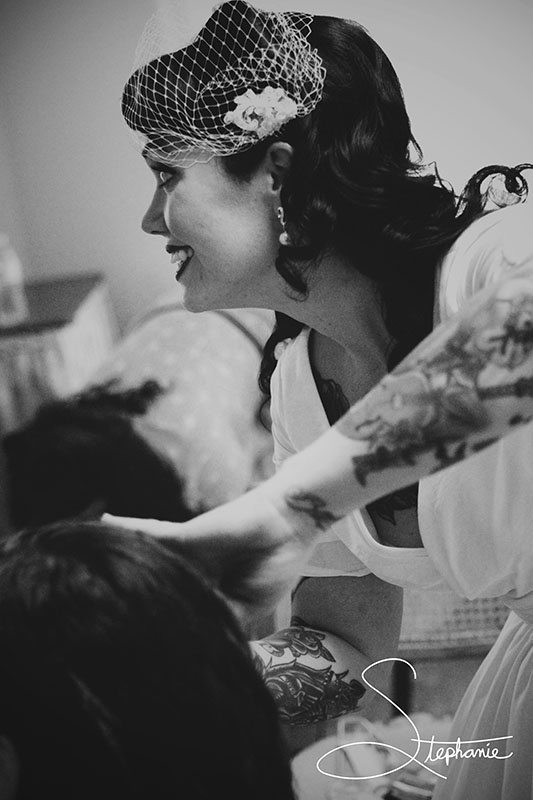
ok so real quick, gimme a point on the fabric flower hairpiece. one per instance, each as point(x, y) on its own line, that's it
point(262, 113)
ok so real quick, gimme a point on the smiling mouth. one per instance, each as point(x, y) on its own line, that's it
point(181, 257)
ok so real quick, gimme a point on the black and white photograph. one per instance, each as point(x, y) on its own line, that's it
point(266, 400)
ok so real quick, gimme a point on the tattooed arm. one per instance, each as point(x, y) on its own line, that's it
point(469, 383)
point(339, 626)
point(303, 669)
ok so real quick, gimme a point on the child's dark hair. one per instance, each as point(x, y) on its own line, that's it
point(125, 675)
point(84, 451)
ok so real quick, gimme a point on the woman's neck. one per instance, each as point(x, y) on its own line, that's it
point(344, 306)
point(349, 342)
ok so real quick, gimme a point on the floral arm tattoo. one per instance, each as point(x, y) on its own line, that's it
point(305, 693)
point(463, 388)
point(433, 403)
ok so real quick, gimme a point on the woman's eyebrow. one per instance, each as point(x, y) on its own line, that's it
point(156, 164)
point(153, 164)
point(161, 166)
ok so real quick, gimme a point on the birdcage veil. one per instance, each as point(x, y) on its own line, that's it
point(218, 91)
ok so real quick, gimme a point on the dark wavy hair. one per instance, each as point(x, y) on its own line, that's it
point(84, 451)
point(125, 675)
point(357, 185)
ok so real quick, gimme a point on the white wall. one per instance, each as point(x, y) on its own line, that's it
point(73, 190)
point(78, 186)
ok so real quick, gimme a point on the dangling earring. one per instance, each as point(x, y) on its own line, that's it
point(284, 238)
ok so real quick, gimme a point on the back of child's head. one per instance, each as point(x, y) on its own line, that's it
point(125, 675)
point(82, 455)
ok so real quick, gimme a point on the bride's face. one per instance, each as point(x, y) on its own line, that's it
point(222, 233)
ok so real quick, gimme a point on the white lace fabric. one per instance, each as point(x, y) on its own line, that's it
point(245, 74)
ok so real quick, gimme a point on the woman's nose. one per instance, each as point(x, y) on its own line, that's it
point(154, 220)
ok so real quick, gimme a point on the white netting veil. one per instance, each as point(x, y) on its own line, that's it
point(240, 79)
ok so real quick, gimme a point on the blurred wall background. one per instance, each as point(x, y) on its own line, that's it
point(73, 190)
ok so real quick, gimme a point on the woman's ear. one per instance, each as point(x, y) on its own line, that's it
point(9, 770)
point(278, 160)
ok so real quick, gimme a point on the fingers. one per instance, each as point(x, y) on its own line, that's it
point(155, 527)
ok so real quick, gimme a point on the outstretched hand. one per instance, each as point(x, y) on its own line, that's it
point(247, 547)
